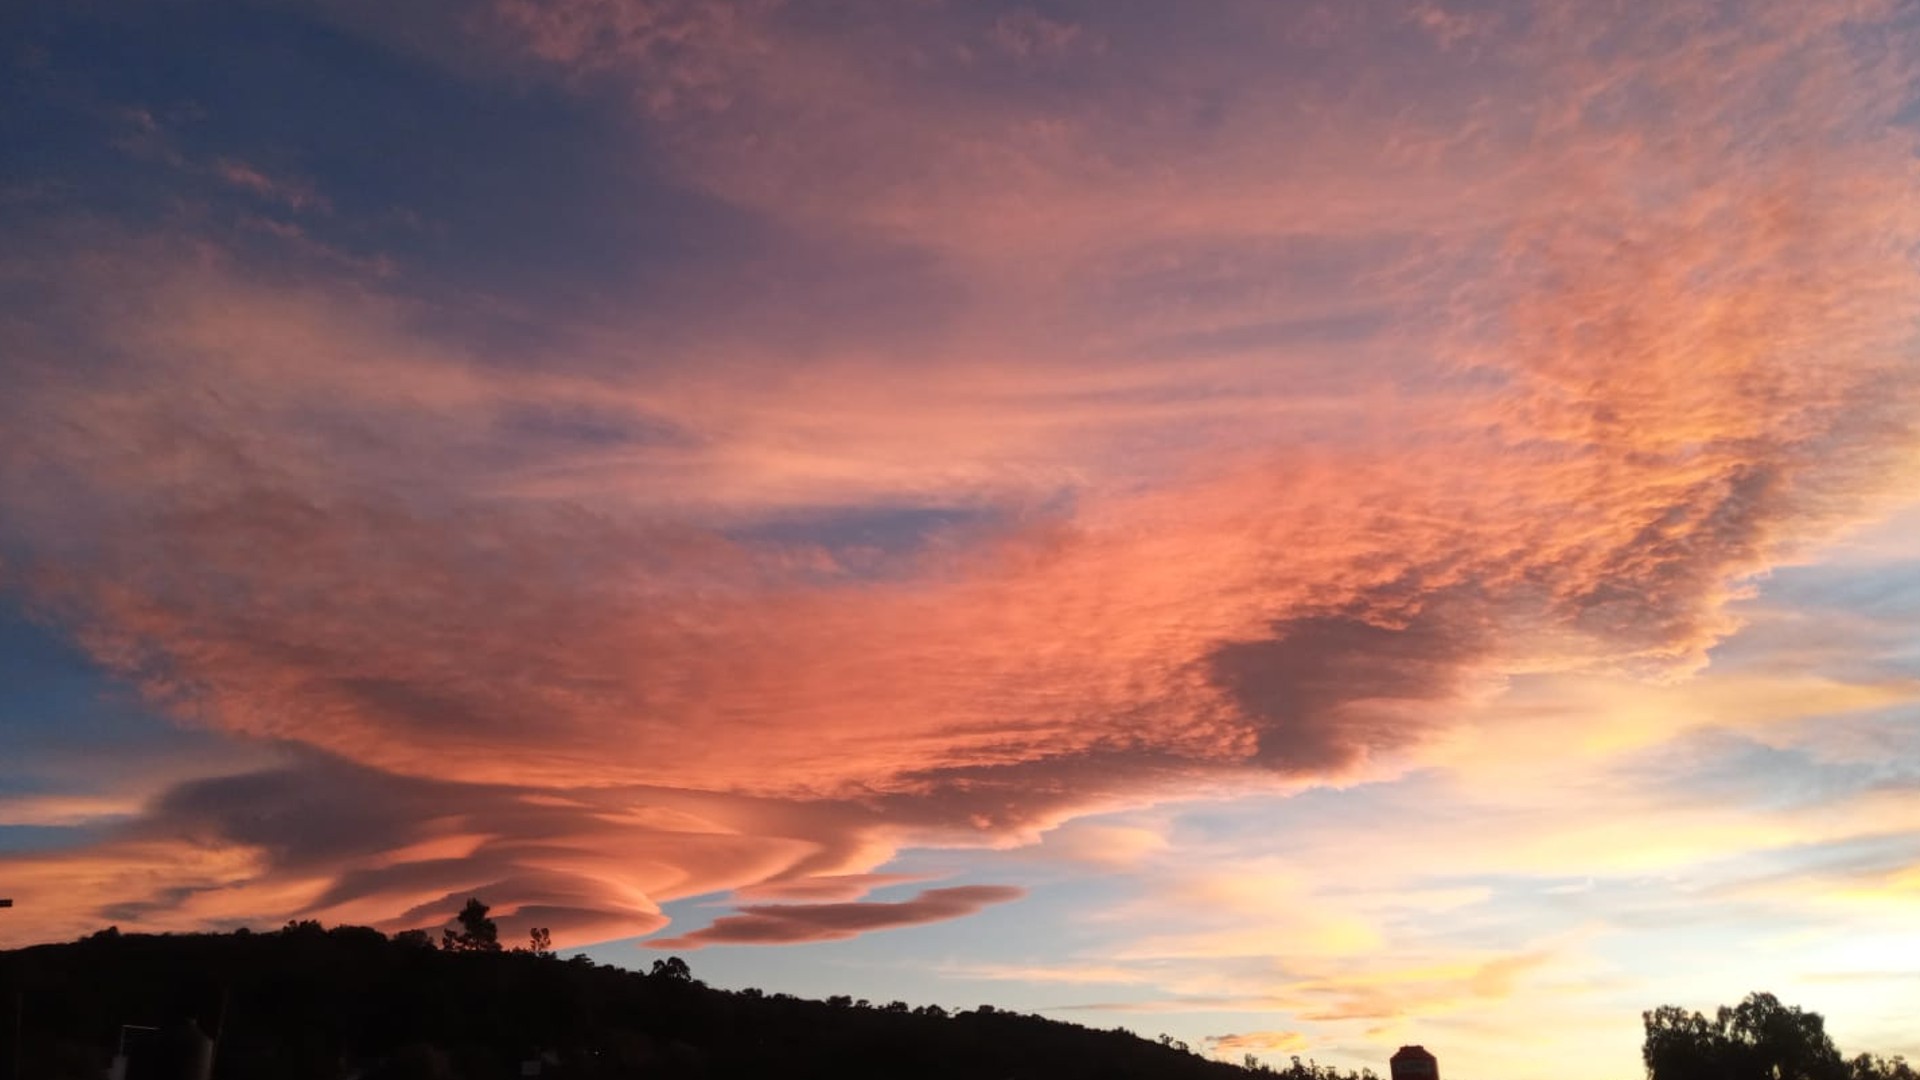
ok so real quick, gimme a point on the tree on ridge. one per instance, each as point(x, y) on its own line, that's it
point(477, 932)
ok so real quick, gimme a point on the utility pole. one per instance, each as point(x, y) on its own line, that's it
point(19, 1006)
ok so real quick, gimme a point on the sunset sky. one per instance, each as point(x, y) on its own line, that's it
point(1302, 526)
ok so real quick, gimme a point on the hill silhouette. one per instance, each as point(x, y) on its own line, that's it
point(307, 1003)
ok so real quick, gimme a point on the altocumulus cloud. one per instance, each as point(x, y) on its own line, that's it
point(778, 587)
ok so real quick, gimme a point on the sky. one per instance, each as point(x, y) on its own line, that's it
point(1304, 527)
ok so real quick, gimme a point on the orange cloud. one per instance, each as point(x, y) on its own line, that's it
point(1262, 1042)
point(1151, 507)
point(789, 924)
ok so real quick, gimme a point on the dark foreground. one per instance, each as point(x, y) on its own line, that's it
point(312, 1004)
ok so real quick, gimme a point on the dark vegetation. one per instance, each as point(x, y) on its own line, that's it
point(307, 1003)
point(1758, 1039)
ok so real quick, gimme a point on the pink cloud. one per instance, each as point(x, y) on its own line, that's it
point(820, 888)
point(692, 53)
point(1028, 35)
point(295, 194)
point(791, 924)
point(1623, 346)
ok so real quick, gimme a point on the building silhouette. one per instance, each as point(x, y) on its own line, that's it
point(179, 1051)
point(1414, 1063)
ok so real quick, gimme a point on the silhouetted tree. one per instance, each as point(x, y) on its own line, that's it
point(540, 941)
point(672, 968)
point(1758, 1039)
point(1311, 1070)
point(1871, 1067)
point(477, 932)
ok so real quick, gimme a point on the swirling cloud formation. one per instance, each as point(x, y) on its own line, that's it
point(687, 448)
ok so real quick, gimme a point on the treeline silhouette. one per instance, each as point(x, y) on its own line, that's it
point(1758, 1039)
point(309, 1003)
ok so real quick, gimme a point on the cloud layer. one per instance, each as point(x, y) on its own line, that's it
point(894, 429)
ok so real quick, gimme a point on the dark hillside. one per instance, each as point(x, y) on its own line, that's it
point(312, 1004)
